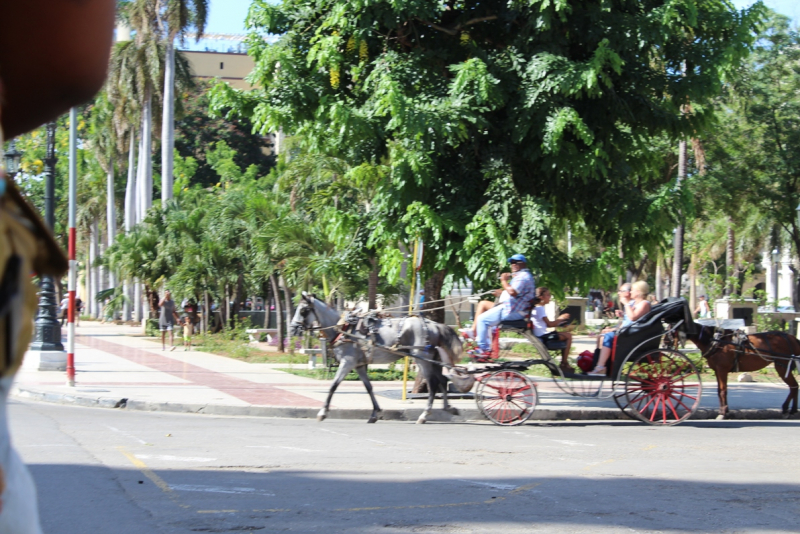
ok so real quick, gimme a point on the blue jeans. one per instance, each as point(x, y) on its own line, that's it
point(489, 319)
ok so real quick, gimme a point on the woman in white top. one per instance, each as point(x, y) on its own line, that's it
point(541, 323)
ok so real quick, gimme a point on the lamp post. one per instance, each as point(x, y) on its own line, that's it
point(12, 159)
point(47, 337)
point(776, 257)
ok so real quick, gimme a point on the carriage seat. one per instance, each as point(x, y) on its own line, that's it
point(516, 324)
point(556, 345)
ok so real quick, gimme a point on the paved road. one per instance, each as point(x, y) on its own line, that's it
point(103, 471)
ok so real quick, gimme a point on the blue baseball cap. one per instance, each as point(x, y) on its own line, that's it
point(517, 257)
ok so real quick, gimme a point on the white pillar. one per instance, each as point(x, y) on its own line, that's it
point(786, 279)
point(769, 275)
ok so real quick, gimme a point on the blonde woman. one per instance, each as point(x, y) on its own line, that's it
point(634, 307)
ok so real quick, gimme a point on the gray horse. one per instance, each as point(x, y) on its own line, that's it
point(421, 337)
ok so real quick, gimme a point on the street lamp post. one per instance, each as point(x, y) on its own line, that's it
point(12, 158)
point(47, 337)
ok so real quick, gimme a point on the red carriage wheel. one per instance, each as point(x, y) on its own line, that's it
point(662, 387)
point(506, 397)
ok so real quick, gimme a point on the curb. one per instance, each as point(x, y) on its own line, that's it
point(409, 414)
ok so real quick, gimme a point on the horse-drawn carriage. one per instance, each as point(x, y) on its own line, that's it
point(648, 378)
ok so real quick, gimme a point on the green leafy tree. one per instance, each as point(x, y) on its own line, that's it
point(557, 99)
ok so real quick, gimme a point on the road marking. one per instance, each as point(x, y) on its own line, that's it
point(127, 435)
point(219, 489)
point(332, 432)
point(169, 458)
point(154, 478)
point(573, 443)
point(489, 484)
point(650, 447)
point(279, 447)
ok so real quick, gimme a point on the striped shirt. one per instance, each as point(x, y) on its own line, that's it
point(522, 281)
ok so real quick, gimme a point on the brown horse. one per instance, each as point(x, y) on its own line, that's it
point(732, 352)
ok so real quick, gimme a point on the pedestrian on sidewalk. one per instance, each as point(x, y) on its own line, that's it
point(64, 310)
point(166, 320)
point(78, 309)
point(188, 328)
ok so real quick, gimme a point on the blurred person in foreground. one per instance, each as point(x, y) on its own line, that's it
point(53, 56)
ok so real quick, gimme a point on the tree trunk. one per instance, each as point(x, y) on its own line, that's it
point(137, 301)
point(677, 261)
point(206, 311)
point(372, 294)
point(145, 172)
point(111, 218)
point(101, 280)
point(730, 260)
point(273, 280)
point(693, 284)
point(289, 310)
point(91, 270)
point(659, 279)
point(130, 187)
point(433, 293)
point(168, 124)
point(226, 309)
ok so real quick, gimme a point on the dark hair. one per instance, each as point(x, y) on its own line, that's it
point(540, 291)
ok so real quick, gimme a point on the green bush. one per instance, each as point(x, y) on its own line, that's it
point(152, 329)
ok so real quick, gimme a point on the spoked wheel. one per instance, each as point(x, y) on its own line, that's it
point(662, 387)
point(506, 397)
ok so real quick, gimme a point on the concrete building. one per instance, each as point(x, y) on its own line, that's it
point(229, 66)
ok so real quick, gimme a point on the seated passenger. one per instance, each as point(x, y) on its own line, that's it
point(519, 290)
point(541, 323)
point(483, 306)
point(634, 305)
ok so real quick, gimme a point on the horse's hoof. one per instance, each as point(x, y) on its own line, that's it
point(452, 410)
point(720, 417)
point(372, 419)
point(321, 418)
point(785, 415)
point(421, 421)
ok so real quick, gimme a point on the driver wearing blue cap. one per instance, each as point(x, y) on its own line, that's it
point(519, 289)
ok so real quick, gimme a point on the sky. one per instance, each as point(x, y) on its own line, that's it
point(227, 16)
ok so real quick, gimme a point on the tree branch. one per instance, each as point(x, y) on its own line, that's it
point(457, 28)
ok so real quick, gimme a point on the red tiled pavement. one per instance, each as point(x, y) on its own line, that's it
point(259, 394)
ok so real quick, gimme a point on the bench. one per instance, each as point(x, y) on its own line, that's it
point(255, 333)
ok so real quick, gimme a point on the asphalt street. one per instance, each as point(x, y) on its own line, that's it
point(117, 472)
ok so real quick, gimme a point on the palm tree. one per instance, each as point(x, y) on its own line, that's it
point(176, 18)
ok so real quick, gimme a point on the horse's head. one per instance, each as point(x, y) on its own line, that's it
point(305, 316)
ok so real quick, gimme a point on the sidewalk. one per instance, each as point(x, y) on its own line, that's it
point(116, 370)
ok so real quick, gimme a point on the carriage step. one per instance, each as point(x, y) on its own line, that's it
point(585, 378)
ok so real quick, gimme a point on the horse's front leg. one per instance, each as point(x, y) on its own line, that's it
point(722, 393)
point(427, 372)
point(791, 381)
point(345, 366)
point(376, 410)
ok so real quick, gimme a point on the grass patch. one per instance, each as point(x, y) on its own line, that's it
point(375, 375)
point(240, 350)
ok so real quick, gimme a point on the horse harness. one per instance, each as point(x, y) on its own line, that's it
point(743, 346)
point(362, 330)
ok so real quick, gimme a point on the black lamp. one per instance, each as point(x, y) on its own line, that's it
point(12, 158)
